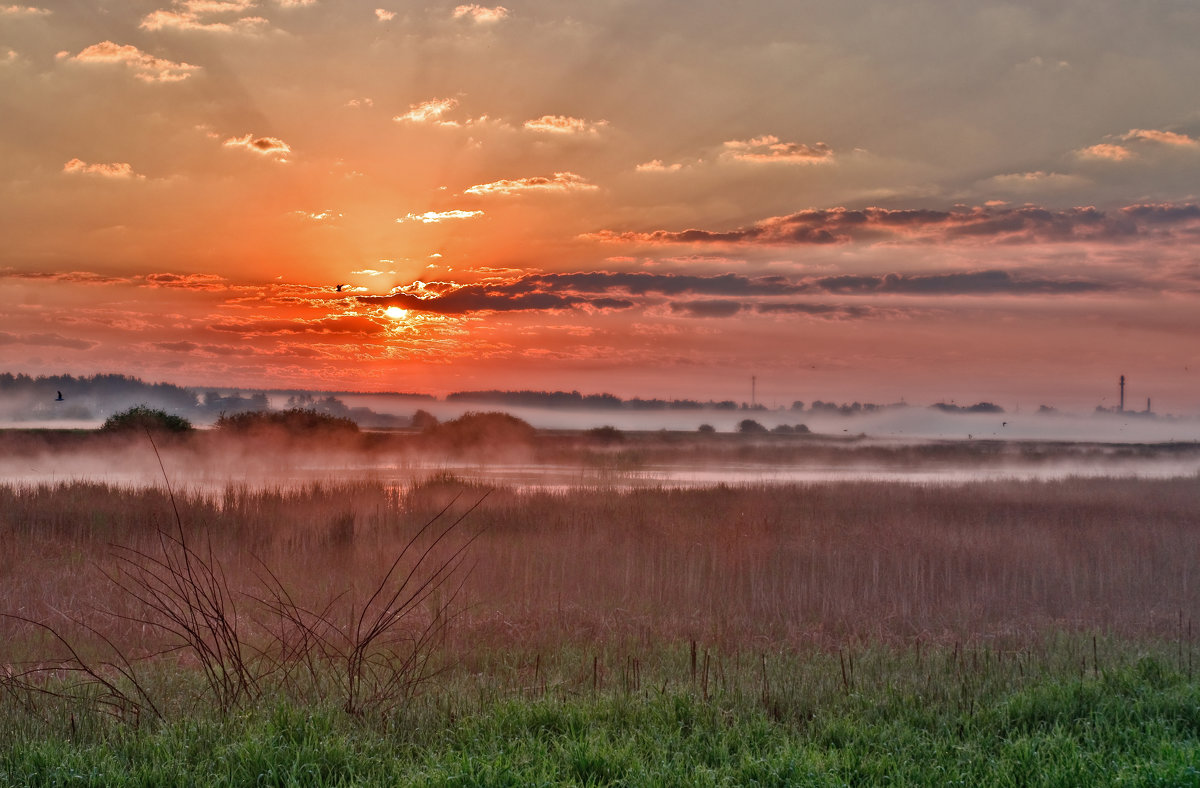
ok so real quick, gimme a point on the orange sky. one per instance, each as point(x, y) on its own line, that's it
point(852, 201)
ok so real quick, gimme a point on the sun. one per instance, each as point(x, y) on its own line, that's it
point(396, 312)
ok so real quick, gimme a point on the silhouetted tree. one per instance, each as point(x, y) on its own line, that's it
point(751, 427)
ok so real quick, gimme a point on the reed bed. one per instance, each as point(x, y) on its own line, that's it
point(780, 565)
point(446, 633)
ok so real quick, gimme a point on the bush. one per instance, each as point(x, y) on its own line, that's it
point(424, 420)
point(605, 435)
point(484, 429)
point(141, 418)
point(751, 427)
point(293, 420)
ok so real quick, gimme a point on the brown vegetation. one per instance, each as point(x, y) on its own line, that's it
point(768, 566)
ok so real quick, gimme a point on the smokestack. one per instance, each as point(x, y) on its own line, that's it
point(1121, 407)
point(753, 391)
point(1147, 404)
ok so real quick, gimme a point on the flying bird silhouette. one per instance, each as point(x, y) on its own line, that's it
point(339, 288)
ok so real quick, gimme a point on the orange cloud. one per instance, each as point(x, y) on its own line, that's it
point(1107, 152)
point(23, 10)
point(117, 169)
point(768, 149)
point(201, 282)
point(480, 14)
point(383, 15)
point(145, 66)
point(560, 182)
point(197, 15)
point(1161, 137)
point(266, 146)
point(428, 112)
point(337, 324)
point(562, 124)
point(657, 165)
point(433, 217)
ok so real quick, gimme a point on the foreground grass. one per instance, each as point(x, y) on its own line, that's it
point(1135, 724)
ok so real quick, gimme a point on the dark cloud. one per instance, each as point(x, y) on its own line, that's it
point(828, 311)
point(664, 284)
point(710, 308)
point(46, 340)
point(180, 347)
point(1025, 224)
point(608, 290)
point(968, 283)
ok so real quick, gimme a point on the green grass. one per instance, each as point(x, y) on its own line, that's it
point(938, 718)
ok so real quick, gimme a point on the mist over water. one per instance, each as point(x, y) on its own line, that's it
point(909, 423)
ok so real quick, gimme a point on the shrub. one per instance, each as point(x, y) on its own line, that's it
point(142, 417)
point(484, 429)
point(751, 427)
point(293, 420)
point(424, 420)
point(605, 435)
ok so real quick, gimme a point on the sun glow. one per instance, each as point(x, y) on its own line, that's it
point(396, 313)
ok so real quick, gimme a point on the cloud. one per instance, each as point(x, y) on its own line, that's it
point(825, 311)
point(656, 165)
point(209, 16)
point(336, 324)
point(711, 308)
point(201, 282)
point(383, 15)
point(562, 124)
point(46, 340)
point(721, 295)
point(484, 298)
point(73, 277)
point(768, 149)
point(319, 216)
point(433, 217)
point(265, 146)
point(1036, 181)
point(987, 282)
point(639, 283)
point(1160, 137)
point(23, 10)
point(117, 170)
point(560, 182)
point(981, 224)
point(428, 112)
point(1107, 152)
point(144, 66)
point(480, 14)
point(294, 3)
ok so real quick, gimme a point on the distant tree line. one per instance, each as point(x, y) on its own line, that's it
point(573, 399)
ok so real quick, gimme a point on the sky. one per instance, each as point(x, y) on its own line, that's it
point(875, 201)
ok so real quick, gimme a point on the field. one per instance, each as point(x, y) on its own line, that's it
point(447, 631)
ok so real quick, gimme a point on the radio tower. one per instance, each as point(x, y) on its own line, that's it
point(1121, 407)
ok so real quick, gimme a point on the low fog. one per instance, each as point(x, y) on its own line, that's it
point(906, 423)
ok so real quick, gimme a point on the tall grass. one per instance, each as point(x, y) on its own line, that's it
point(823, 563)
point(992, 633)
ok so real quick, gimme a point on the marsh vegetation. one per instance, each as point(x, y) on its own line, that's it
point(452, 632)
